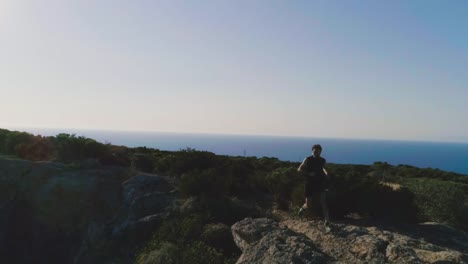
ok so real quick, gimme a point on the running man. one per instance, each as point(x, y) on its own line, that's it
point(313, 169)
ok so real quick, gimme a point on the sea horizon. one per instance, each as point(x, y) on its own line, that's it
point(447, 156)
point(76, 131)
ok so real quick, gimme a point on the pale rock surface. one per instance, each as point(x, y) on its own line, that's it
point(263, 241)
point(293, 240)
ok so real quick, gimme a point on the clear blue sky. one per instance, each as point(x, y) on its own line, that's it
point(346, 69)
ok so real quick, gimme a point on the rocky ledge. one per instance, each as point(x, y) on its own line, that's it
point(293, 240)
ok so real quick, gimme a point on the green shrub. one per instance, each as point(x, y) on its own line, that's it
point(117, 155)
point(167, 253)
point(187, 160)
point(72, 148)
point(356, 192)
point(200, 253)
point(297, 195)
point(281, 183)
point(3, 136)
point(179, 239)
point(38, 148)
point(179, 230)
point(14, 140)
point(95, 150)
point(199, 183)
point(219, 236)
point(439, 201)
point(143, 162)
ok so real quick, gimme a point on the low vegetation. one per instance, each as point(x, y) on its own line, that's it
point(228, 189)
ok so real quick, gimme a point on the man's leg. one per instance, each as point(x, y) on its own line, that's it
point(323, 204)
point(307, 199)
point(306, 205)
point(326, 216)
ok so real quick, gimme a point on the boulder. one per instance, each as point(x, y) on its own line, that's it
point(66, 214)
point(146, 201)
point(142, 184)
point(46, 207)
point(263, 241)
point(348, 243)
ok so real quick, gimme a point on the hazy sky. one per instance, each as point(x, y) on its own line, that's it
point(347, 69)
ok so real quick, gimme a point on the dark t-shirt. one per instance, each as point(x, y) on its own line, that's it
point(314, 167)
point(315, 177)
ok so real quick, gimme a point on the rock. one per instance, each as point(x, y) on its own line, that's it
point(144, 183)
point(369, 248)
point(46, 207)
point(263, 241)
point(146, 201)
point(249, 231)
point(84, 214)
point(347, 243)
point(401, 254)
point(150, 203)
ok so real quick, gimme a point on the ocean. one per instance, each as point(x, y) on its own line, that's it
point(451, 157)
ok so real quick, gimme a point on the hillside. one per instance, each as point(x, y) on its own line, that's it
point(52, 213)
point(70, 199)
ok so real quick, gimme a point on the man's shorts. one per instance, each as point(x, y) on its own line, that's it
point(314, 186)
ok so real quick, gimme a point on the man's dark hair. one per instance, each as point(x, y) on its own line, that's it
point(317, 146)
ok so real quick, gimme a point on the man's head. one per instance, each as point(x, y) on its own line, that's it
point(316, 150)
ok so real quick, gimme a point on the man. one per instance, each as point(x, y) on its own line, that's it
point(313, 169)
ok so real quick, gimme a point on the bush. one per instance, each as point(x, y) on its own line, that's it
point(439, 201)
point(355, 192)
point(167, 253)
point(39, 148)
point(185, 161)
point(3, 135)
point(281, 183)
point(297, 195)
point(178, 240)
point(72, 148)
point(117, 155)
point(69, 147)
point(14, 140)
point(95, 150)
point(219, 236)
point(203, 183)
point(143, 162)
point(200, 253)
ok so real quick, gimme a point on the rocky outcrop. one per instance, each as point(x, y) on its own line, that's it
point(53, 213)
point(46, 207)
point(147, 200)
point(263, 241)
point(301, 241)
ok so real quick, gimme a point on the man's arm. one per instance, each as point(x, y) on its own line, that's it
point(327, 176)
point(325, 171)
point(302, 166)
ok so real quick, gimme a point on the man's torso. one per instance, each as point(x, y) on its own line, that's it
point(314, 168)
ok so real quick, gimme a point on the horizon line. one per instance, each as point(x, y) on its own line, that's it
point(17, 128)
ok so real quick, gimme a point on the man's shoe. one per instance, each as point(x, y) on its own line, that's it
point(301, 211)
point(327, 227)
